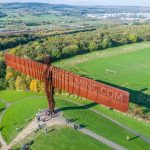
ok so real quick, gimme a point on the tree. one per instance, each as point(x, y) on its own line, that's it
point(3, 84)
point(8, 75)
point(83, 46)
point(41, 86)
point(147, 37)
point(20, 83)
point(106, 43)
point(70, 50)
point(56, 53)
point(123, 41)
point(133, 38)
point(28, 81)
point(34, 86)
point(93, 46)
point(2, 69)
point(11, 83)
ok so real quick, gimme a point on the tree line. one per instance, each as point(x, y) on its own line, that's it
point(67, 45)
point(10, 41)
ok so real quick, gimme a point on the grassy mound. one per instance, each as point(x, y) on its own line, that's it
point(25, 109)
point(139, 126)
point(11, 96)
point(64, 138)
point(2, 106)
point(17, 113)
point(125, 67)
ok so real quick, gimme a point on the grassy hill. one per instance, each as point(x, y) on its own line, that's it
point(125, 67)
point(130, 64)
point(26, 108)
point(62, 136)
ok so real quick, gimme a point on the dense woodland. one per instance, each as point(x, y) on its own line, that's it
point(62, 45)
point(14, 40)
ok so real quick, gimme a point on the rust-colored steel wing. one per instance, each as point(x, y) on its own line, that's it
point(72, 83)
point(90, 89)
point(26, 66)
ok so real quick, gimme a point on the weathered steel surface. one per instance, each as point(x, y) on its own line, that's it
point(49, 88)
point(71, 83)
point(90, 89)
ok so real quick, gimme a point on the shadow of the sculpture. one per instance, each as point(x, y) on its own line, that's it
point(82, 126)
point(136, 97)
point(139, 98)
point(77, 107)
point(1, 109)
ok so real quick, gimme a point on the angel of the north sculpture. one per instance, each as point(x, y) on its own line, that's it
point(57, 78)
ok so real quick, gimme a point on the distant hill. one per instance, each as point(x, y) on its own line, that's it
point(2, 15)
point(33, 16)
point(77, 9)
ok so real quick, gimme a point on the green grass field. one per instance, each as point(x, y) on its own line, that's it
point(19, 20)
point(17, 113)
point(12, 96)
point(131, 70)
point(139, 126)
point(125, 67)
point(131, 65)
point(26, 109)
point(2, 106)
point(60, 139)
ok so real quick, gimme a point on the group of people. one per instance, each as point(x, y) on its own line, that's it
point(47, 113)
point(25, 146)
point(75, 126)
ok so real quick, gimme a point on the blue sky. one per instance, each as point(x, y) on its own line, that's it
point(89, 2)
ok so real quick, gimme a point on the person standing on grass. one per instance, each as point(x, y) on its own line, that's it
point(46, 130)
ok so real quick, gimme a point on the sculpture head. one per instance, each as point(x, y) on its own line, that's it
point(48, 59)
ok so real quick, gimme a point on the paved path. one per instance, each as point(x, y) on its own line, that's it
point(3, 112)
point(100, 138)
point(55, 120)
point(147, 140)
point(33, 126)
point(58, 119)
point(2, 141)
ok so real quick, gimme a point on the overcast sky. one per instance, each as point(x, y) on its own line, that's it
point(89, 2)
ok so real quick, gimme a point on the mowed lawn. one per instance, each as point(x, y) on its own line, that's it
point(139, 126)
point(24, 109)
point(130, 63)
point(64, 138)
point(125, 67)
point(2, 106)
point(12, 96)
point(17, 113)
point(130, 70)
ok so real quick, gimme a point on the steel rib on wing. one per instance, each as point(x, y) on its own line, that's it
point(72, 83)
point(90, 89)
point(26, 66)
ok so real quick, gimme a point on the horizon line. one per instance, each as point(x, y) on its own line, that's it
point(73, 4)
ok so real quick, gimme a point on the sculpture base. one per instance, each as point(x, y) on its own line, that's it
point(51, 105)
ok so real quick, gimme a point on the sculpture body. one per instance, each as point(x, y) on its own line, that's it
point(49, 89)
point(56, 78)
